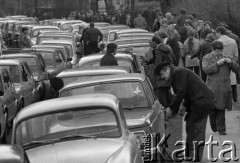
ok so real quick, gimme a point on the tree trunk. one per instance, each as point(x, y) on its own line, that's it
point(94, 5)
point(109, 6)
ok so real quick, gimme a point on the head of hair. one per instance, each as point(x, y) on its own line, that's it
point(161, 66)
point(156, 39)
point(224, 24)
point(168, 16)
point(183, 11)
point(211, 37)
point(190, 17)
point(56, 83)
point(207, 22)
point(111, 47)
point(221, 30)
point(188, 22)
point(24, 29)
point(194, 15)
point(160, 14)
point(217, 45)
point(162, 34)
point(91, 24)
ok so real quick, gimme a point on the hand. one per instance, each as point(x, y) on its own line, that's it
point(221, 61)
point(168, 112)
point(228, 60)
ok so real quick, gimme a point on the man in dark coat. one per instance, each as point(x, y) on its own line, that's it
point(181, 19)
point(92, 37)
point(161, 53)
point(108, 59)
point(205, 48)
point(198, 100)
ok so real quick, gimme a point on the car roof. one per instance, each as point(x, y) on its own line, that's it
point(57, 41)
point(20, 55)
point(137, 34)
point(11, 153)
point(45, 26)
point(102, 70)
point(67, 103)
point(48, 46)
point(98, 56)
point(11, 62)
point(132, 30)
point(101, 79)
point(114, 26)
point(59, 35)
point(133, 45)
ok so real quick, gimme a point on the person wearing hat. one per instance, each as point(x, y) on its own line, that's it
point(92, 37)
point(109, 58)
point(196, 97)
point(49, 90)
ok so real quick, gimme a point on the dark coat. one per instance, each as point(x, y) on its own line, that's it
point(197, 97)
point(130, 23)
point(108, 60)
point(93, 34)
point(173, 43)
point(205, 48)
point(120, 19)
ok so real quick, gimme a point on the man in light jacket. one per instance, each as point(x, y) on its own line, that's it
point(140, 22)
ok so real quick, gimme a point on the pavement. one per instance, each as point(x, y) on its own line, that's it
point(232, 137)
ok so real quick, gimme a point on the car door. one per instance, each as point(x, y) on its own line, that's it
point(28, 84)
point(9, 94)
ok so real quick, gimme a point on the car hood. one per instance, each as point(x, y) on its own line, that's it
point(76, 151)
point(137, 117)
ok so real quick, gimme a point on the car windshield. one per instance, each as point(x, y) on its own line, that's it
point(133, 41)
point(97, 122)
point(121, 62)
point(69, 47)
point(66, 26)
point(32, 63)
point(131, 94)
point(48, 58)
point(36, 32)
point(71, 79)
point(55, 38)
point(14, 73)
point(140, 51)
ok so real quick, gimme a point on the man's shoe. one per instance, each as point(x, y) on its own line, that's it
point(222, 133)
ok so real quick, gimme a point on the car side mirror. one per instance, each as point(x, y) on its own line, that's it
point(58, 60)
point(24, 77)
point(69, 59)
point(1, 93)
point(6, 79)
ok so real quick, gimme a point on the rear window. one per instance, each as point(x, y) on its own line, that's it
point(48, 58)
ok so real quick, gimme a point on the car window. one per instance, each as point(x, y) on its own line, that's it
point(6, 84)
point(100, 122)
point(48, 58)
point(32, 63)
point(130, 94)
point(121, 62)
point(14, 73)
point(28, 71)
point(36, 32)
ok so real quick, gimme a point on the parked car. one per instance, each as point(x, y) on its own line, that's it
point(69, 76)
point(8, 103)
point(22, 79)
point(48, 36)
point(139, 49)
point(36, 31)
point(54, 59)
point(131, 41)
point(114, 34)
point(141, 108)
point(125, 59)
point(71, 47)
point(105, 30)
point(65, 24)
point(74, 129)
point(135, 35)
point(35, 63)
point(12, 154)
point(63, 48)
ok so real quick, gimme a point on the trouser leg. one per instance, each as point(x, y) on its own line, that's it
point(195, 138)
point(234, 92)
point(220, 121)
point(212, 118)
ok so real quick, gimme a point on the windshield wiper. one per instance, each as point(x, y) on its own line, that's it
point(52, 141)
point(37, 143)
point(77, 137)
point(129, 107)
